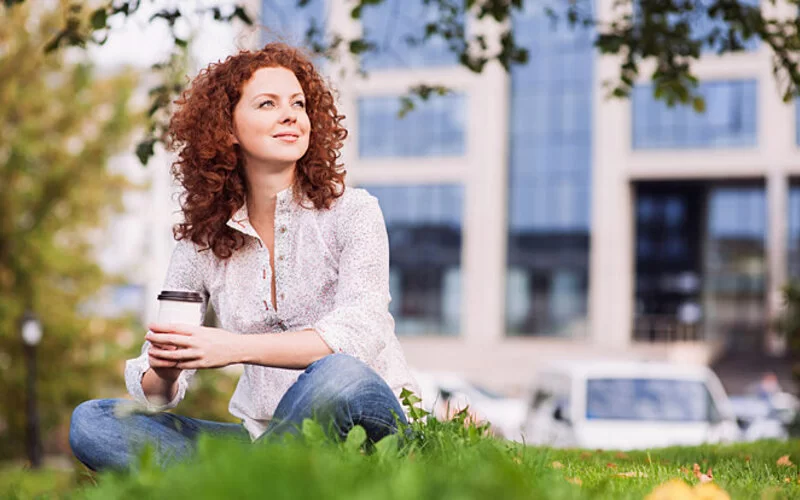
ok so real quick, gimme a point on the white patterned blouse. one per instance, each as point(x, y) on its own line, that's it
point(331, 275)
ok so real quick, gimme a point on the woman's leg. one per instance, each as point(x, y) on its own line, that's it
point(339, 392)
point(102, 438)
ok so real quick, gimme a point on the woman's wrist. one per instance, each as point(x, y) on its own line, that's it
point(243, 349)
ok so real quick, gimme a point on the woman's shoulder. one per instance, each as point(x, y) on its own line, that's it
point(353, 199)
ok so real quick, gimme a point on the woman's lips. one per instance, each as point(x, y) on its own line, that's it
point(286, 137)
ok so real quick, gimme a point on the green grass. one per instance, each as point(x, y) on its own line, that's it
point(443, 461)
point(18, 481)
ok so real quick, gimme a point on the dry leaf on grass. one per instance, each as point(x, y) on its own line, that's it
point(704, 478)
point(557, 465)
point(621, 455)
point(611, 465)
point(574, 480)
point(784, 461)
point(585, 455)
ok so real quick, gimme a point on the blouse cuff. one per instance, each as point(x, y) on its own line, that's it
point(135, 370)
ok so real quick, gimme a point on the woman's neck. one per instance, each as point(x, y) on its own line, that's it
point(262, 190)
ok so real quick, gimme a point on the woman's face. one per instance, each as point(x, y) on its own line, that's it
point(270, 120)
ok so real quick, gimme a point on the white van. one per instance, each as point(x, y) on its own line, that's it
point(628, 405)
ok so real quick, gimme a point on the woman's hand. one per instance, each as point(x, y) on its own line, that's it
point(164, 368)
point(188, 347)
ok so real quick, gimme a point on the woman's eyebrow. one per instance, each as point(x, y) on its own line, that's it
point(276, 96)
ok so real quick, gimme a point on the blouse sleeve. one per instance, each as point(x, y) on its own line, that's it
point(360, 323)
point(185, 273)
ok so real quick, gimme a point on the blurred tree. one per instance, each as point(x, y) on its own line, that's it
point(61, 124)
point(671, 34)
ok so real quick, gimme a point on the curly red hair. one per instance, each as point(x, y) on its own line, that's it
point(210, 166)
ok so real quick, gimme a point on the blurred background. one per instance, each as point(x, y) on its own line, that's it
point(533, 221)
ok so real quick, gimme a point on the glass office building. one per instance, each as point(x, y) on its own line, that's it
point(525, 209)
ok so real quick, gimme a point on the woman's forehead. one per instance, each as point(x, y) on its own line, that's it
point(278, 81)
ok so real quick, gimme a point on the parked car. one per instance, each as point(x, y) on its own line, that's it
point(445, 393)
point(628, 405)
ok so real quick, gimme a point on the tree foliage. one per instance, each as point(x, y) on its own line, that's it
point(62, 123)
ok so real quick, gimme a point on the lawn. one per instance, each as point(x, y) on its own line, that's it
point(444, 460)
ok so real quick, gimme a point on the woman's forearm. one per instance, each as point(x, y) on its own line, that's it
point(282, 350)
point(157, 389)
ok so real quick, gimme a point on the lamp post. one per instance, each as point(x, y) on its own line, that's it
point(31, 336)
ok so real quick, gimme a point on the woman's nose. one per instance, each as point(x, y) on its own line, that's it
point(290, 116)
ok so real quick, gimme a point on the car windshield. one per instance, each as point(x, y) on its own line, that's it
point(648, 399)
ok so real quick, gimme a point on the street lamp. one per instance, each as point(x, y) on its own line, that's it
point(31, 336)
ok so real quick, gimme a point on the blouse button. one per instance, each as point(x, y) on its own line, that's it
point(282, 296)
point(280, 257)
point(283, 229)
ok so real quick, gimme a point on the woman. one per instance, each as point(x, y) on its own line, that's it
point(295, 265)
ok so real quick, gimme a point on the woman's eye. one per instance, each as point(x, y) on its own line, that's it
point(300, 104)
point(266, 103)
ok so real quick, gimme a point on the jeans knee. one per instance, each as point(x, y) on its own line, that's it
point(344, 376)
point(86, 419)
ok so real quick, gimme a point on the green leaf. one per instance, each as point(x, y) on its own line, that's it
point(699, 104)
point(313, 433)
point(355, 438)
point(99, 18)
point(145, 150)
point(387, 447)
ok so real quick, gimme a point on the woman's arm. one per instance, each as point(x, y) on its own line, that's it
point(200, 347)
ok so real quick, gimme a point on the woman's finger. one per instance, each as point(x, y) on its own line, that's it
point(174, 355)
point(169, 339)
point(176, 328)
point(160, 363)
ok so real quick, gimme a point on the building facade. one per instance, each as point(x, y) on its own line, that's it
point(533, 219)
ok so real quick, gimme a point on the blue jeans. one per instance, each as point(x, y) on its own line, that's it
point(338, 391)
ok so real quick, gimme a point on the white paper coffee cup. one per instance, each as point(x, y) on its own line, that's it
point(180, 307)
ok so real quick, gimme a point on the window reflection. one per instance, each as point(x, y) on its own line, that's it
point(735, 266)
point(284, 21)
point(700, 263)
point(550, 178)
point(393, 25)
point(648, 400)
point(424, 225)
point(434, 128)
point(728, 121)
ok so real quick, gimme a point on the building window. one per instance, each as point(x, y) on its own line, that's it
point(729, 120)
point(424, 225)
point(735, 267)
point(797, 121)
point(283, 21)
point(700, 264)
point(393, 25)
point(794, 231)
point(550, 179)
point(436, 127)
